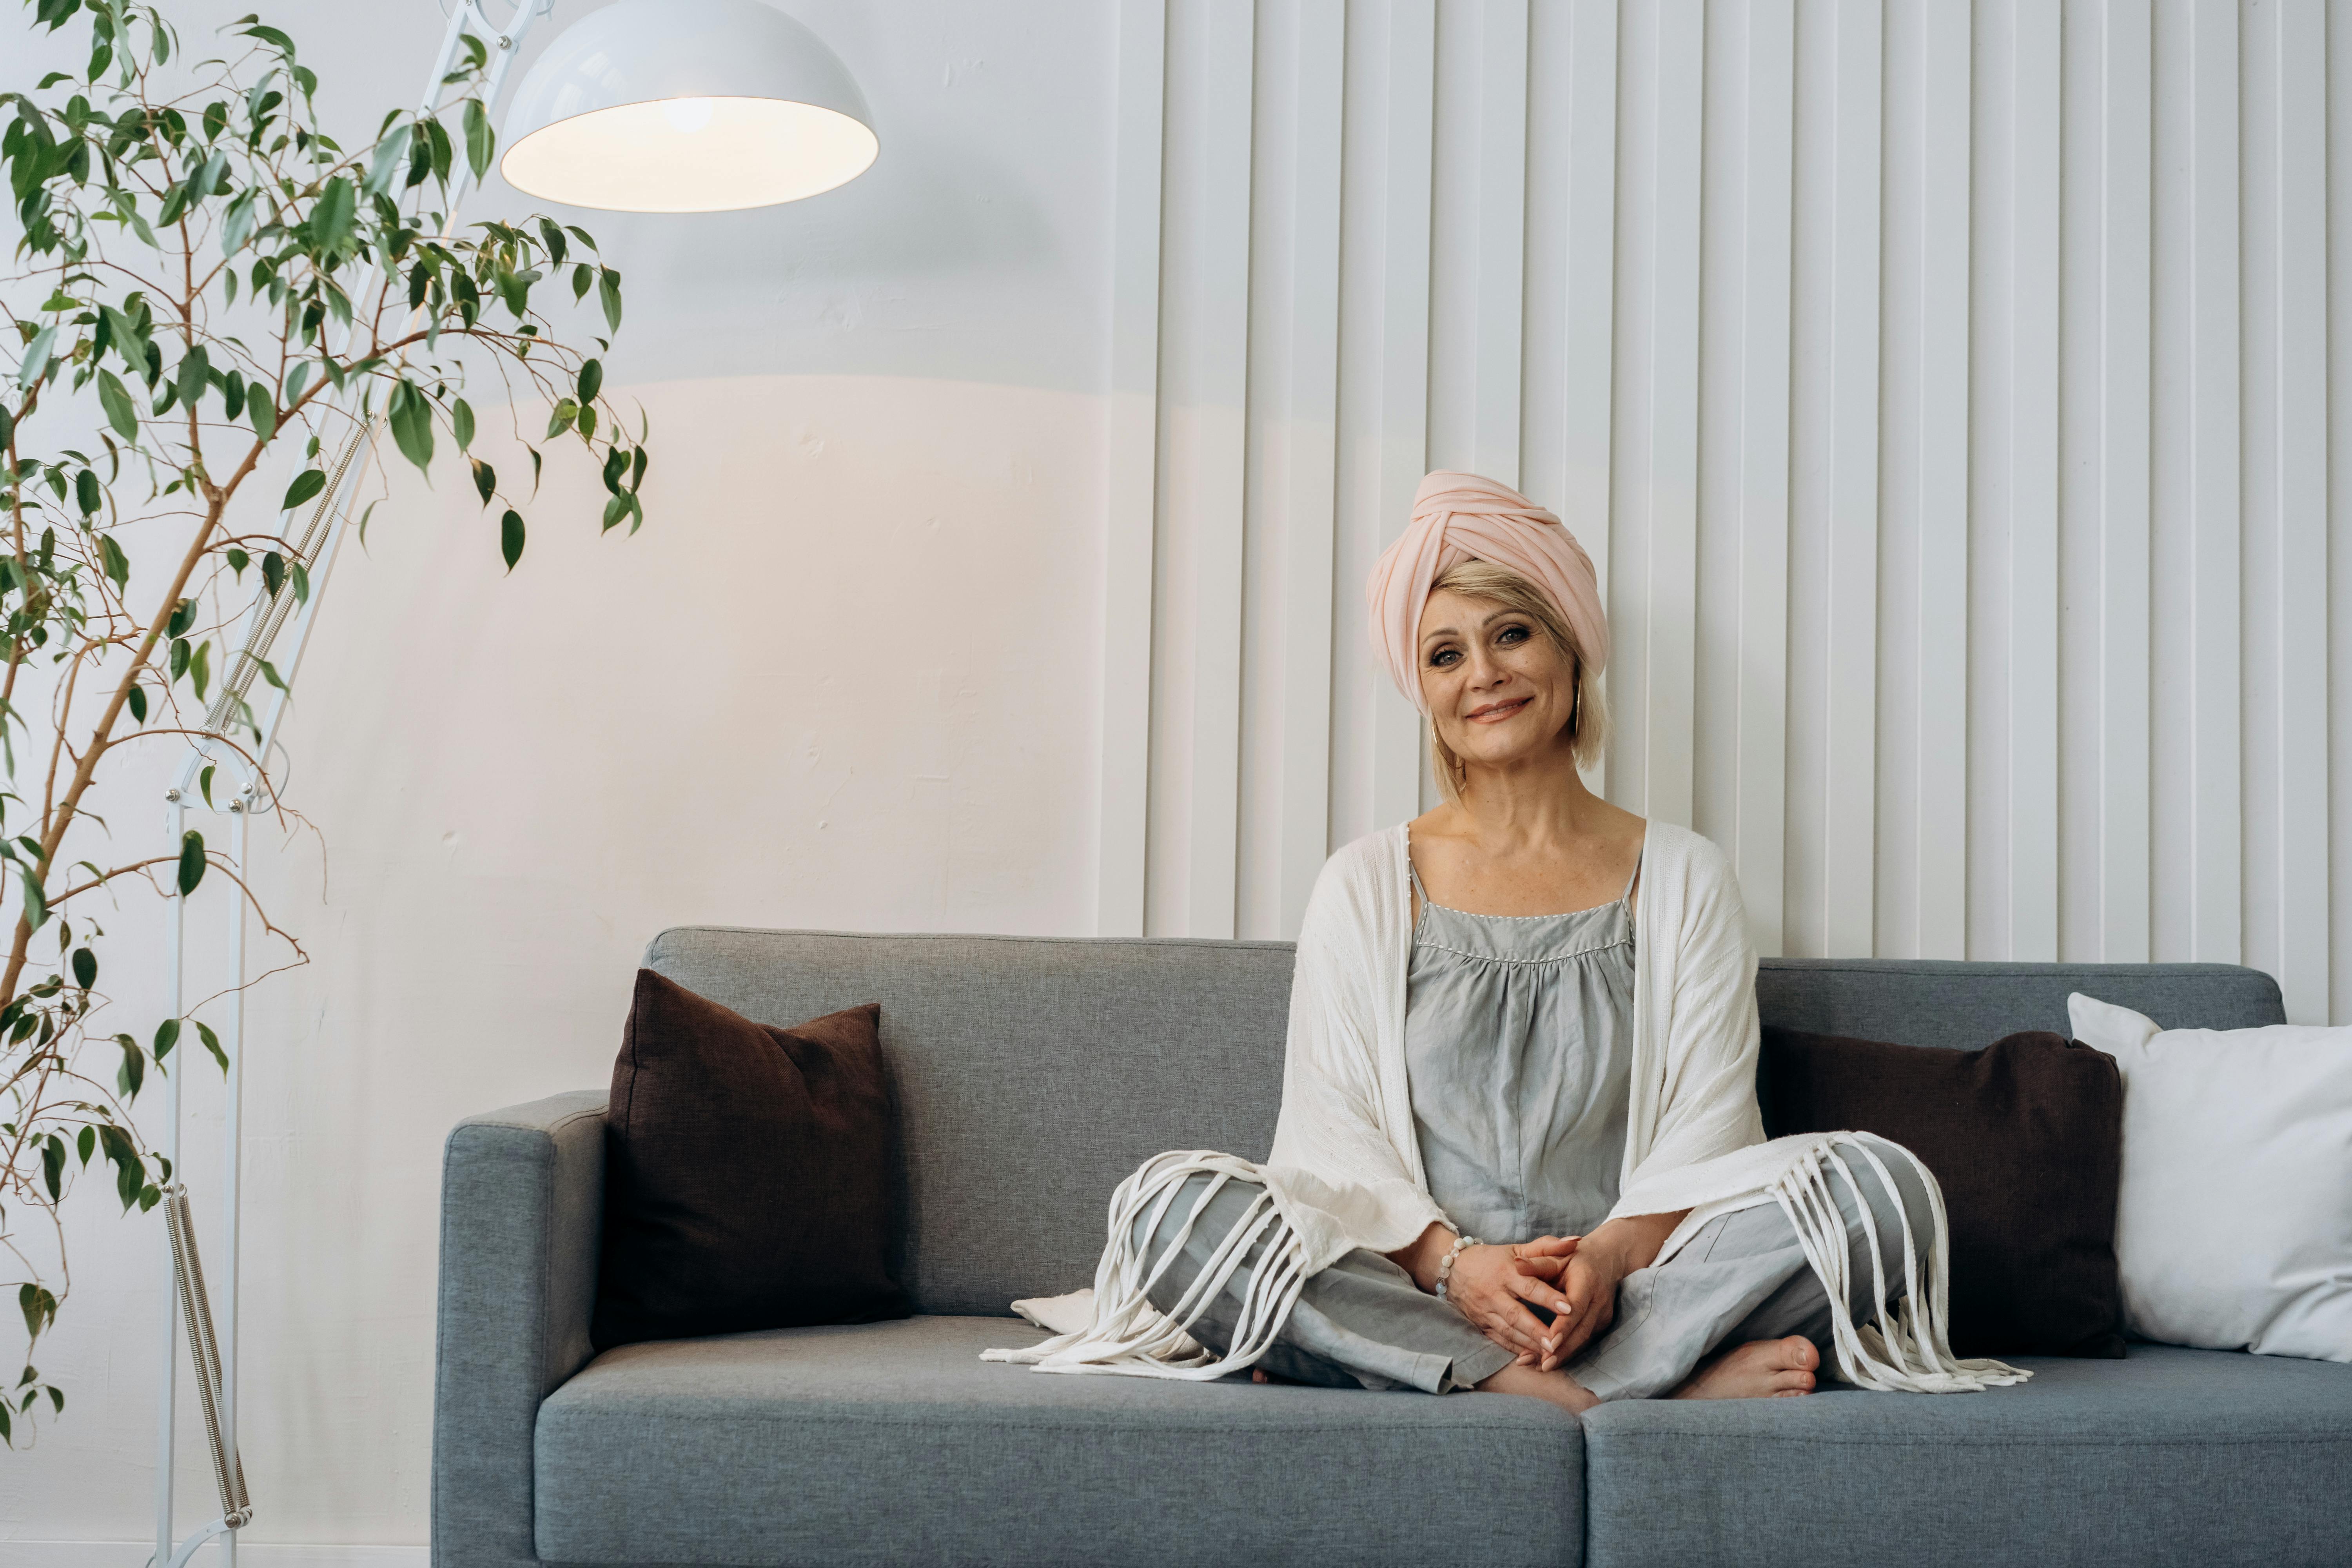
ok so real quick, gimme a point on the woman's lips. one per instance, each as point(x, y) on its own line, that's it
point(1499, 711)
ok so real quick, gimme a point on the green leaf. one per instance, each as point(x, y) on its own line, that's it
point(138, 700)
point(479, 138)
point(608, 291)
point(260, 411)
point(410, 412)
point(85, 968)
point(332, 217)
point(37, 356)
point(212, 1043)
point(40, 1308)
point(36, 904)
point(582, 277)
point(306, 483)
point(87, 493)
point(116, 564)
point(179, 652)
point(167, 1032)
point(592, 379)
point(560, 417)
point(461, 423)
point(510, 537)
point(53, 1175)
point(86, 1143)
point(192, 871)
point(301, 578)
point(236, 225)
point(587, 423)
point(486, 479)
point(273, 571)
point(204, 784)
point(183, 615)
point(120, 412)
point(237, 561)
point(193, 369)
point(385, 166)
point(534, 468)
point(200, 668)
point(552, 234)
point(132, 1075)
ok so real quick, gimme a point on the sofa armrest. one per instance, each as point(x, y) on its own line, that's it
point(522, 1201)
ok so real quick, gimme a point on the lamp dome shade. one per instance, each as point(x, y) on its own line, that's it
point(686, 106)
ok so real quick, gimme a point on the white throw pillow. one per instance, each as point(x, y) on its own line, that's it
point(2234, 1227)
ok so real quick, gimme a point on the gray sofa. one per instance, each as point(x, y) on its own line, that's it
point(1033, 1074)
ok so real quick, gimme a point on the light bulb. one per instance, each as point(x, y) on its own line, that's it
point(687, 115)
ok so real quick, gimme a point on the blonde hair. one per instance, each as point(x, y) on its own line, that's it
point(1589, 726)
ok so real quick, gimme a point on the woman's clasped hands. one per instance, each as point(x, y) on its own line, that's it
point(1502, 1290)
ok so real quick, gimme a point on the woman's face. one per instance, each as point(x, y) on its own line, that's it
point(1498, 690)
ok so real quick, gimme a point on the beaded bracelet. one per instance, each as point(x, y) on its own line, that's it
point(1445, 1264)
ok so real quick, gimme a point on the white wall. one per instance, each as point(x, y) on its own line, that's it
point(846, 676)
point(1945, 390)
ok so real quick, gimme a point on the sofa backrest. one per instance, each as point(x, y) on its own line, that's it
point(1033, 1074)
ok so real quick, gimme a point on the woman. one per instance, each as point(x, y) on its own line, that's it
point(1519, 1149)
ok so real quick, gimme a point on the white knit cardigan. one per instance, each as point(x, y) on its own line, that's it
point(1346, 1171)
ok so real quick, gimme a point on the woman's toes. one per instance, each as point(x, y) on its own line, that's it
point(1796, 1380)
point(1800, 1353)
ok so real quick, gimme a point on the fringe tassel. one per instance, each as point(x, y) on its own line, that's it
point(1911, 1353)
point(1131, 1337)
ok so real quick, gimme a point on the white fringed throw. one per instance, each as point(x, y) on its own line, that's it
point(1128, 1334)
point(1912, 1354)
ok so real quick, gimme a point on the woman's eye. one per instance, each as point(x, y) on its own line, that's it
point(1512, 635)
point(1443, 658)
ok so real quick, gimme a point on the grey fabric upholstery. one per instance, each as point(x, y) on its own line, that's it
point(2170, 1456)
point(1920, 1002)
point(1032, 1076)
point(893, 1444)
point(522, 1201)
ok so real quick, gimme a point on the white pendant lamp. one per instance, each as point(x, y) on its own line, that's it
point(686, 106)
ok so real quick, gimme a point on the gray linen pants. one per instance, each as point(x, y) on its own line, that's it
point(1363, 1322)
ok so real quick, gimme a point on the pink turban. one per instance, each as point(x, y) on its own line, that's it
point(1468, 516)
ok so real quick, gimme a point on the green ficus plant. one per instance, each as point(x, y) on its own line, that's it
point(206, 284)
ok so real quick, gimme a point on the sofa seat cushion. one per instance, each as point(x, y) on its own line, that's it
point(893, 1443)
point(2167, 1456)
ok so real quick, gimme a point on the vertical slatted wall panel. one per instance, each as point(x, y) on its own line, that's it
point(1130, 503)
point(2216, 815)
point(1944, 389)
point(2032, 494)
point(2299, 916)
point(1313, 414)
point(1939, 714)
point(2119, 483)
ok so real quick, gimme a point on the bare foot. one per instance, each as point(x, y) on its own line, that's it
point(1557, 1387)
point(1760, 1369)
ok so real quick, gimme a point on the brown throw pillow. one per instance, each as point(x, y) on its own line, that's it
point(750, 1173)
point(2025, 1138)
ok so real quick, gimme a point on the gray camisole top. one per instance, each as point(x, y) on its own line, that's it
point(1519, 1040)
